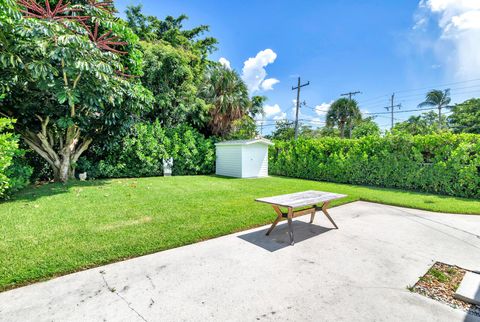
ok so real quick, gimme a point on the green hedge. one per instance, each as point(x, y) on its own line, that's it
point(441, 163)
point(14, 172)
point(141, 153)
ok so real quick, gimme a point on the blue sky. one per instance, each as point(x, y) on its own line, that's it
point(373, 46)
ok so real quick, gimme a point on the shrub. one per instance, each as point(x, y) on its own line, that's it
point(192, 153)
point(14, 173)
point(142, 151)
point(439, 163)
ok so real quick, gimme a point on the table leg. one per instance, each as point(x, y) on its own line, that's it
point(312, 216)
point(279, 217)
point(324, 210)
point(290, 225)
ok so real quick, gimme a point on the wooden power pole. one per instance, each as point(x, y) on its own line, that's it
point(391, 108)
point(299, 86)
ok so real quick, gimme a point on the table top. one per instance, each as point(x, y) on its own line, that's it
point(301, 199)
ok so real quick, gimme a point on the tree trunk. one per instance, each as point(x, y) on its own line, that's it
point(64, 170)
point(439, 118)
point(341, 126)
point(61, 153)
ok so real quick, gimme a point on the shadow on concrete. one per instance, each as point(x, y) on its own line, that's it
point(279, 238)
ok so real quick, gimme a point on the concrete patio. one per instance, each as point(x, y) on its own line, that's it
point(357, 273)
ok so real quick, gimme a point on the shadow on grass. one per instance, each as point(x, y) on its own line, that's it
point(279, 238)
point(35, 192)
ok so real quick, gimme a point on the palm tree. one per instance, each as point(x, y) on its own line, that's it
point(227, 95)
point(341, 113)
point(438, 98)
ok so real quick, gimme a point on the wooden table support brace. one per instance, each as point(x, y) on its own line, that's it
point(307, 198)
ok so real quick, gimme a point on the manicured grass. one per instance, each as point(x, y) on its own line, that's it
point(56, 229)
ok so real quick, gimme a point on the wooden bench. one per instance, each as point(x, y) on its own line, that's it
point(311, 199)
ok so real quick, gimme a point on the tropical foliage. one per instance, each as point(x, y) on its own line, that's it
point(440, 100)
point(14, 174)
point(426, 123)
point(227, 95)
point(343, 114)
point(465, 117)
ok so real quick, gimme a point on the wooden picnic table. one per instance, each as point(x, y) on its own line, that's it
point(311, 199)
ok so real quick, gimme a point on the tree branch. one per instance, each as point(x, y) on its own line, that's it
point(81, 148)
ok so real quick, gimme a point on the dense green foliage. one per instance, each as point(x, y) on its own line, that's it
point(14, 174)
point(442, 163)
point(426, 123)
point(174, 76)
point(465, 117)
point(365, 127)
point(86, 224)
point(227, 95)
point(142, 151)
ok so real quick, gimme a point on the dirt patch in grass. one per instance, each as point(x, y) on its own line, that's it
point(440, 283)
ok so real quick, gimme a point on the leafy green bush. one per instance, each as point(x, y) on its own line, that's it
point(439, 163)
point(14, 172)
point(192, 153)
point(142, 151)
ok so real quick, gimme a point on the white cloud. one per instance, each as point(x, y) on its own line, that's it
point(254, 73)
point(322, 109)
point(459, 23)
point(225, 62)
point(267, 85)
point(274, 112)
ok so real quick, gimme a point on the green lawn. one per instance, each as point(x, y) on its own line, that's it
point(55, 229)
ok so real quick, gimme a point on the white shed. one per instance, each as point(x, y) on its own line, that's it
point(243, 158)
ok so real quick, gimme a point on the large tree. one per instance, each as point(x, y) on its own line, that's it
point(343, 113)
point(227, 95)
point(439, 99)
point(71, 72)
point(466, 117)
point(175, 61)
point(174, 76)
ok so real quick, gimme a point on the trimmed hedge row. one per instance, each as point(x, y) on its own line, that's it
point(440, 163)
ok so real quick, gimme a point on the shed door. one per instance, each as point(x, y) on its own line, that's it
point(255, 161)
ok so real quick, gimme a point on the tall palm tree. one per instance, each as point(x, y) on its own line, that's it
point(228, 97)
point(439, 99)
point(342, 113)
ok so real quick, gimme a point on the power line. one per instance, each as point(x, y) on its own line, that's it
point(376, 98)
point(403, 111)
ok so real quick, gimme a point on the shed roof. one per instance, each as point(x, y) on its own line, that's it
point(246, 142)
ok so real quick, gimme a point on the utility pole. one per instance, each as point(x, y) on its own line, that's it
point(299, 86)
point(350, 94)
point(392, 107)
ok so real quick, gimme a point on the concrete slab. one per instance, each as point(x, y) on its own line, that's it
point(469, 289)
point(357, 273)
